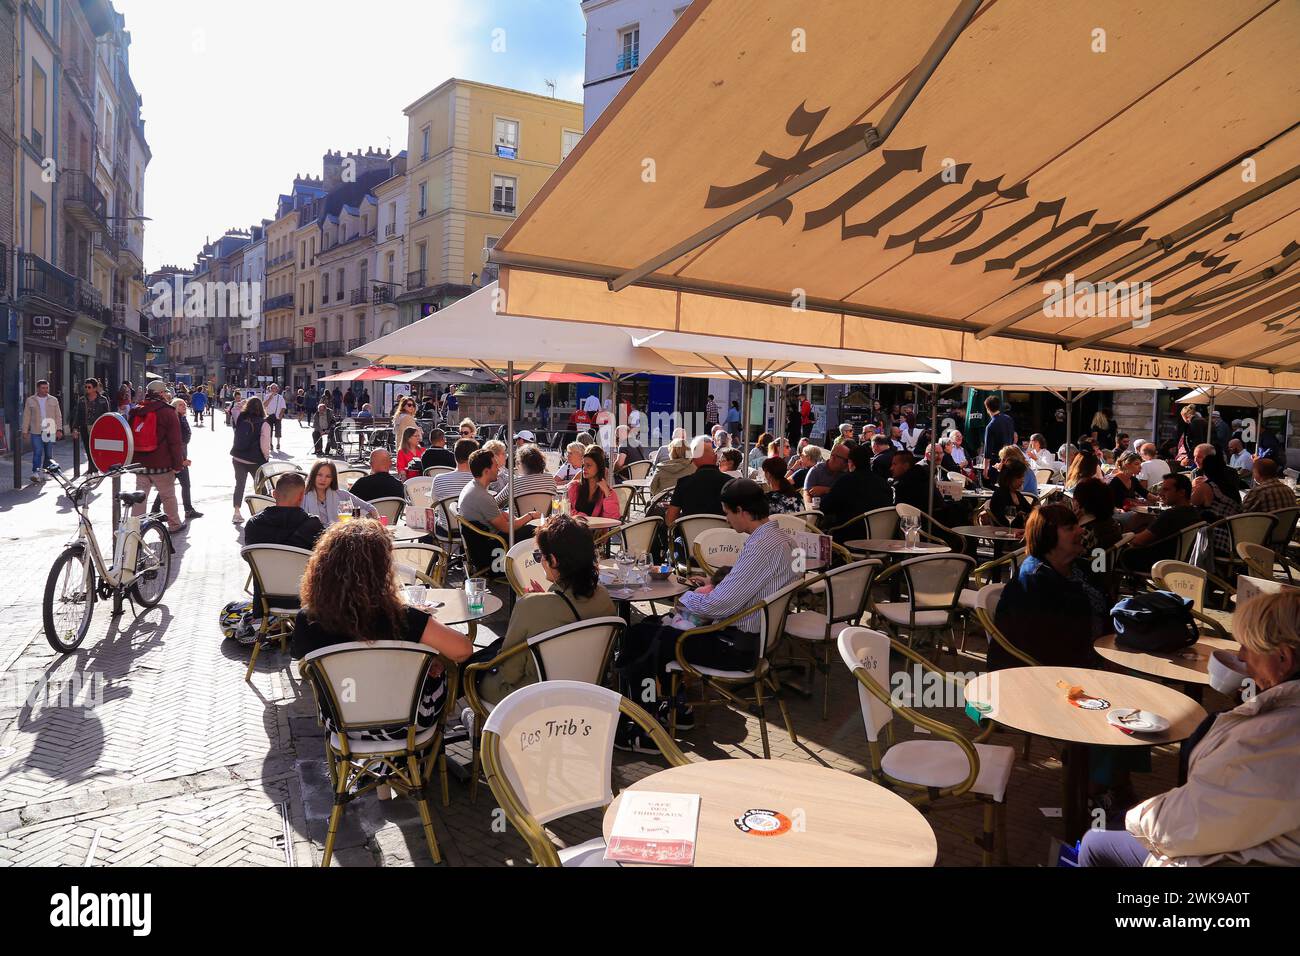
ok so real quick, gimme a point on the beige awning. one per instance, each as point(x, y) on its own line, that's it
point(1243, 398)
point(1117, 140)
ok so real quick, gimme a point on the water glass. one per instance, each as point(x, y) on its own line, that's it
point(643, 568)
point(475, 588)
point(417, 595)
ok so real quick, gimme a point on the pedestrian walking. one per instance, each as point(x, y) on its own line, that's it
point(251, 448)
point(200, 404)
point(182, 476)
point(156, 432)
point(43, 422)
point(275, 408)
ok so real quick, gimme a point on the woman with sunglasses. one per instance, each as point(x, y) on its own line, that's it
point(403, 416)
point(566, 552)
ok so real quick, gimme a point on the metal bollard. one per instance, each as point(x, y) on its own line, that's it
point(76, 457)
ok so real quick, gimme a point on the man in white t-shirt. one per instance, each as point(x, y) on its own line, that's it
point(1239, 458)
point(1154, 469)
point(592, 405)
point(275, 406)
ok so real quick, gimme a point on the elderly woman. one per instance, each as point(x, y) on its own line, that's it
point(324, 497)
point(498, 449)
point(670, 472)
point(572, 466)
point(809, 456)
point(1040, 456)
point(1239, 804)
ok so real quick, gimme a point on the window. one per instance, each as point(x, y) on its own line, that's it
point(38, 107)
point(36, 223)
point(503, 194)
point(421, 257)
point(630, 42)
point(424, 197)
point(392, 264)
point(424, 142)
point(325, 288)
point(507, 138)
point(569, 140)
point(338, 293)
point(361, 279)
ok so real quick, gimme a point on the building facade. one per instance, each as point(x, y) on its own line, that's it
point(620, 34)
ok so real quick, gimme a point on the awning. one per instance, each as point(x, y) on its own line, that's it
point(1054, 143)
point(1243, 398)
point(440, 376)
point(371, 373)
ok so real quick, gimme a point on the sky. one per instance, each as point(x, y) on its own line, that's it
point(241, 96)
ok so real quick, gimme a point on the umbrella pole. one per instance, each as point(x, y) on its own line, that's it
point(934, 444)
point(1069, 427)
point(1209, 421)
point(748, 393)
point(510, 451)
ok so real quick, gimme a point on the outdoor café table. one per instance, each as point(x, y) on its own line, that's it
point(895, 546)
point(977, 493)
point(650, 592)
point(595, 524)
point(406, 533)
point(835, 818)
point(1028, 699)
point(451, 606)
point(1191, 665)
point(1000, 537)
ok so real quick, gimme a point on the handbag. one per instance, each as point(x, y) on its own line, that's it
point(1154, 622)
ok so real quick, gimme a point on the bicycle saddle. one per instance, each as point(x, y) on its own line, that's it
point(132, 497)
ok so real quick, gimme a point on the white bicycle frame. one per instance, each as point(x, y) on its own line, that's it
point(126, 547)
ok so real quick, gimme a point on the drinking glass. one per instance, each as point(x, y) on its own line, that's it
point(643, 568)
point(474, 591)
point(1011, 514)
point(417, 595)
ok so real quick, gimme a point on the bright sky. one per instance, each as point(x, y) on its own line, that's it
point(242, 95)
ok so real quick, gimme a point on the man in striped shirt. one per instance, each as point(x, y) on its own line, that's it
point(449, 484)
point(764, 566)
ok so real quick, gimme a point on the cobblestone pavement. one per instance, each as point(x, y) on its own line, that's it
point(179, 762)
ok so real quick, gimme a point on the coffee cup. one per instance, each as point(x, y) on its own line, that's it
point(1227, 672)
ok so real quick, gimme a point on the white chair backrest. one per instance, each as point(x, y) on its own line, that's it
point(638, 469)
point(988, 597)
point(279, 568)
point(1259, 559)
point(1187, 540)
point(951, 489)
point(882, 523)
point(419, 492)
point(638, 536)
point(449, 511)
point(958, 478)
point(850, 588)
point(539, 501)
point(1255, 527)
point(1185, 580)
point(435, 470)
point(792, 523)
point(391, 508)
point(526, 575)
point(863, 648)
point(557, 746)
point(905, 511)
point(373, 684)
point(577, 651)
point(258, 503)
point(1284, 530)
point(350, 476)
point(1044, 476)
point(624, 493)
point(691, 526)
point(935, 581)
point(720, 547)
point(423, 558)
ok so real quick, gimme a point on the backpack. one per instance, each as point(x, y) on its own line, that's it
point(248, 445)
point(144, 430)
point(1155, 622)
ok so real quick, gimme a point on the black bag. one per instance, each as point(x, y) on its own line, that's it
point(1155, 622)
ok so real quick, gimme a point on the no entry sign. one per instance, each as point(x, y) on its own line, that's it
point(111, 443)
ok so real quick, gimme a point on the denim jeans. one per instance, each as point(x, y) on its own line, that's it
point(1111, 848)
point(42, 454)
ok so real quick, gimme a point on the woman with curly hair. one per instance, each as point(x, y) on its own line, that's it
point(349, 593)
point(1085, 465)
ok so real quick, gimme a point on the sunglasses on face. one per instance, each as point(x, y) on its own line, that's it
point(537, 555)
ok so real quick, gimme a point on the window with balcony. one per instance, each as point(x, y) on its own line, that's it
point(568, 141)
point(338, 287)
point(425, 135)
point(424, 198)
point(629, 40)
point(37, 223)
point(503, 194)
point(506, 137)
point(325, 288)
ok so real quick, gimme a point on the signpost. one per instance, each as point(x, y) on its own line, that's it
point(111, 444)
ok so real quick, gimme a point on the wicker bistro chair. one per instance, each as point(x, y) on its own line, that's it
point(540, 777)
point(390, 508)
point(1253, 527)
point(880, 523)
point(539, 501)
point(446, 529)
point(481, 546)
point(350, 476)
point(772, 612)
point(625, 495)
point(1189, 581)
point(1261, 561)
point(579, 651)
point(687, 528)
point(934, 583)
point(636, 470)
point(847, 590)
point(419, 492)
point(1183, 542)
point(278, 571)
point(635, 536)
point(930, 772)
point(369, 685)
point(1044, 476)
point(1284, 533)
point(256, 504)
point(264, 477)
point(526, 576)
point(717, 548)
point(420, 563)
point(986, 609)
point(792, 523)
point(436, 470)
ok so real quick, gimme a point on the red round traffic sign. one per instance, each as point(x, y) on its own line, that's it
point(111, 443)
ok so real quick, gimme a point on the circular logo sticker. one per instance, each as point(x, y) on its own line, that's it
point(1091, 703)
point(763, 823)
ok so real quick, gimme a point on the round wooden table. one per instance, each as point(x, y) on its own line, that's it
point(1028, 699)
point(894, 546)
point(451, 606)
point(639, 483)
point(406, 532)
point(837, 819)
point(990, 533)
point(595, 524)
point(1191, 665)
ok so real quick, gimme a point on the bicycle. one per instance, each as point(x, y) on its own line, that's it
point(140, 572)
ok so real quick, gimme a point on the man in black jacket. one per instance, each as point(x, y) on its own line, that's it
point(285, 523)
point(87, 412)
point(911, 481)
point(437, 454)
point(883, 453)
point(859, 491)
point(380, 483)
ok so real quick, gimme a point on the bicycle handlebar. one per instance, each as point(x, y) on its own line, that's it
point(90, 481)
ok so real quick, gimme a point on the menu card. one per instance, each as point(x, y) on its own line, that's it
point(652, 827)
point(816, 548)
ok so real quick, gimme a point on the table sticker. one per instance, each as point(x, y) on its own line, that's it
point(763, 823)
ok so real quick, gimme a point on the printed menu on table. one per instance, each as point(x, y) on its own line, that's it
point(653, 827)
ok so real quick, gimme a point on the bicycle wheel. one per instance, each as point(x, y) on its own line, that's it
point(154, 565)
point(69, 599)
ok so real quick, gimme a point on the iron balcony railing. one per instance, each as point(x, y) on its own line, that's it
point(358, 297)
point(382, 294)
point(355, 344)
point(37, 278)
point(415, 280)
point(79, 188)
point(278, 302)
point(276, 345)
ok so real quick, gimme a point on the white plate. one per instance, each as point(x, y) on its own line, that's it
point(1139, 721)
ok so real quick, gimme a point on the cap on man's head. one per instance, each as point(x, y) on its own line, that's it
point(525, 435)
point(156, 387)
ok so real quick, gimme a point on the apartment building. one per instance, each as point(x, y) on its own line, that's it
point(476, 155)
